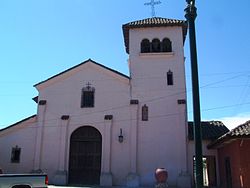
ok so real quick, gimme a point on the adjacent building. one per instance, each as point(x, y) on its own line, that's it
point(234, 156)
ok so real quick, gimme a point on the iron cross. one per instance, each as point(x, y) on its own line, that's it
point(88, 85)
point(152, 3)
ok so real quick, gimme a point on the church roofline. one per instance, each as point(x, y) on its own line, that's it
point(89, 60)
point(152, 22)
point(19, 122)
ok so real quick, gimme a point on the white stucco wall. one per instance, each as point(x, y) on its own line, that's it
point(64, 98)
point(158, 142)
point(162, 139)
point(21, 135)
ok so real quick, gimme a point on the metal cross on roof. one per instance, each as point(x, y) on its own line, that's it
point(88, 85)
point(152, 3)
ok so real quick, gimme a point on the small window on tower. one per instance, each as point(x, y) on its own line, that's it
point(156, 45)
point(145, 46)
point(145, 113)
point(88, 97)
point(15, 154)
point(170, 79)
point(166, 45)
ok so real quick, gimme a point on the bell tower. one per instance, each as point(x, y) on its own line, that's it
point(156, 55)
point(157, 78)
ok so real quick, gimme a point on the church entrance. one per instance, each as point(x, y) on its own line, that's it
point(85, 156)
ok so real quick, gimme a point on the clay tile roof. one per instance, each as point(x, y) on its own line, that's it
point(152, 22)
point(211, 130)
point(241, 131)
point(156, 21)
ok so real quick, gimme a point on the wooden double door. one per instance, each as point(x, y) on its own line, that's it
point(85, 156)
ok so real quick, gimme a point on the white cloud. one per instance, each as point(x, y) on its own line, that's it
point(234, 121)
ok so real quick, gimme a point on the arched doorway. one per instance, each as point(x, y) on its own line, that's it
point(85, 156)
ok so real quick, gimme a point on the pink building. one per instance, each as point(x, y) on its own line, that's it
point(95, 125)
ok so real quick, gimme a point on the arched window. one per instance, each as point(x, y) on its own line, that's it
point(170, 79)
point(144, 113)
point(88, 96)
point(166, 45)
point(156, 45)
point(145, 46)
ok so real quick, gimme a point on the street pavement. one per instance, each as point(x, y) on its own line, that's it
point(53, 186)
point(57, 186)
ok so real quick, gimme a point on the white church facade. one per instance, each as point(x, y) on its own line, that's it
point(97, 126)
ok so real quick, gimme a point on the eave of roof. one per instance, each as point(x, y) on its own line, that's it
point(152, 22)
point(89, 60)
point(15, 124)
point(35, 99)
point(211, 130)
point(240, 132)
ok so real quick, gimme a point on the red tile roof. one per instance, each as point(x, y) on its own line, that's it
point(152, 22)
point(211, 130)
point(240, 132)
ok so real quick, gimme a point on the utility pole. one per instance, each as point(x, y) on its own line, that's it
point(191, 16)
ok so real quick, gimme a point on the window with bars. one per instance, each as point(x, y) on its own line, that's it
point(145, 113)
point(15, 154)
point(170, 79)
point(88, 97)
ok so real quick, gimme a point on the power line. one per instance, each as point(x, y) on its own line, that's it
point(221, 81)
point(154, 99)
point(204, 86)
point(244, 93)
point(227, 106)
point(142, 77)
point(131, 119)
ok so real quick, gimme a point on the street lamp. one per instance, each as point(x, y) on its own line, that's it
point(190, 16)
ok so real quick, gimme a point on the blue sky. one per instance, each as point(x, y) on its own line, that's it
point(41, 38)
